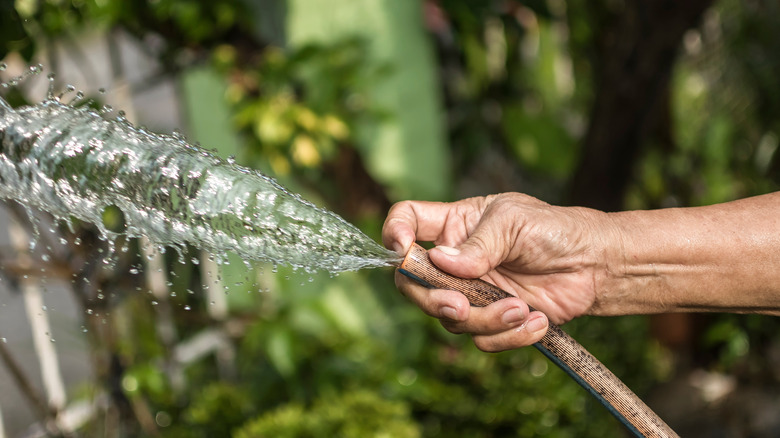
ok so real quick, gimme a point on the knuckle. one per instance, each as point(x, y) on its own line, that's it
point(487, 344)
point(399, 210)
point(452, 326)
point(398, 214)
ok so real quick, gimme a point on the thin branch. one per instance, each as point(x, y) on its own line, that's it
point(36, 401)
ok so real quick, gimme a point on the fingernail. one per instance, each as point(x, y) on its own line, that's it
point(448, 250)
point(513, 316)
point(536, 324)
point(449, 312)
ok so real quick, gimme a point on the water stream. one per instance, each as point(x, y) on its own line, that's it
point(75, 162)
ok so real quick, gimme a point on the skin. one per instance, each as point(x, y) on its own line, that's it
point(573, 261)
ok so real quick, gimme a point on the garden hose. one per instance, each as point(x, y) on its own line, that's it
point(558, 346)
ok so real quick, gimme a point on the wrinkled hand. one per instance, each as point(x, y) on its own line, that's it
point(550, 257)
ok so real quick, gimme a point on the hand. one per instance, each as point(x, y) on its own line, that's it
point(549, 257)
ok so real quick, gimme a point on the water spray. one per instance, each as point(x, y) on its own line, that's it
point(76, 162)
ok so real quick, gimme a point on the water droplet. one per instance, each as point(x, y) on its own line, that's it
point(163, 419)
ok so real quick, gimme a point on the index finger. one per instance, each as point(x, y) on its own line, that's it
point(408, 221)
point(447, 222)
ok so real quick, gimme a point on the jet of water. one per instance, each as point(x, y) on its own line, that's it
point(76, 162)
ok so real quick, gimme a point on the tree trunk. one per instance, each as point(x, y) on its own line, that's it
point(637, 46)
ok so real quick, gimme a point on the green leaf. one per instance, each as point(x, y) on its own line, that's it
point(280, 350)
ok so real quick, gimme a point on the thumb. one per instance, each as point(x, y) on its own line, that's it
point(481, 253)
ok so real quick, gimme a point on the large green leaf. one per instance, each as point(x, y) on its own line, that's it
point(405, 152)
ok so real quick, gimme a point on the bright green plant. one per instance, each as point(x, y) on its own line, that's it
point(355, 414)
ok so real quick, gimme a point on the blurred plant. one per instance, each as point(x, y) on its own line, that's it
point(510, 93)
point(216, 411)
point(298, 111)
point(177, 25)
point(354, 414)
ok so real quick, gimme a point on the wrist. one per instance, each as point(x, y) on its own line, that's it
point(690, 259)
point(647, 263)
point(615, 278)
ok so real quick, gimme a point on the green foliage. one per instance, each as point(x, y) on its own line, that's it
point(192, 21)
point(217, 410)
point(12, 32)
point(146, 379)
point(300, 107)
point(354, 414)
point(405, 153)
point(539, 142)
point(724, 131)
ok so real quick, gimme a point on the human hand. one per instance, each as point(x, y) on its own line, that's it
point(550, 257)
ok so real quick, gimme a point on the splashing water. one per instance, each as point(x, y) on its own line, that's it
point(75, 162)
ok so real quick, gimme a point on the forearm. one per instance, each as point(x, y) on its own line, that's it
point(724, 257)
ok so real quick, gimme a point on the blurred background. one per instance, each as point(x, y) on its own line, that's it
point(357, 104)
